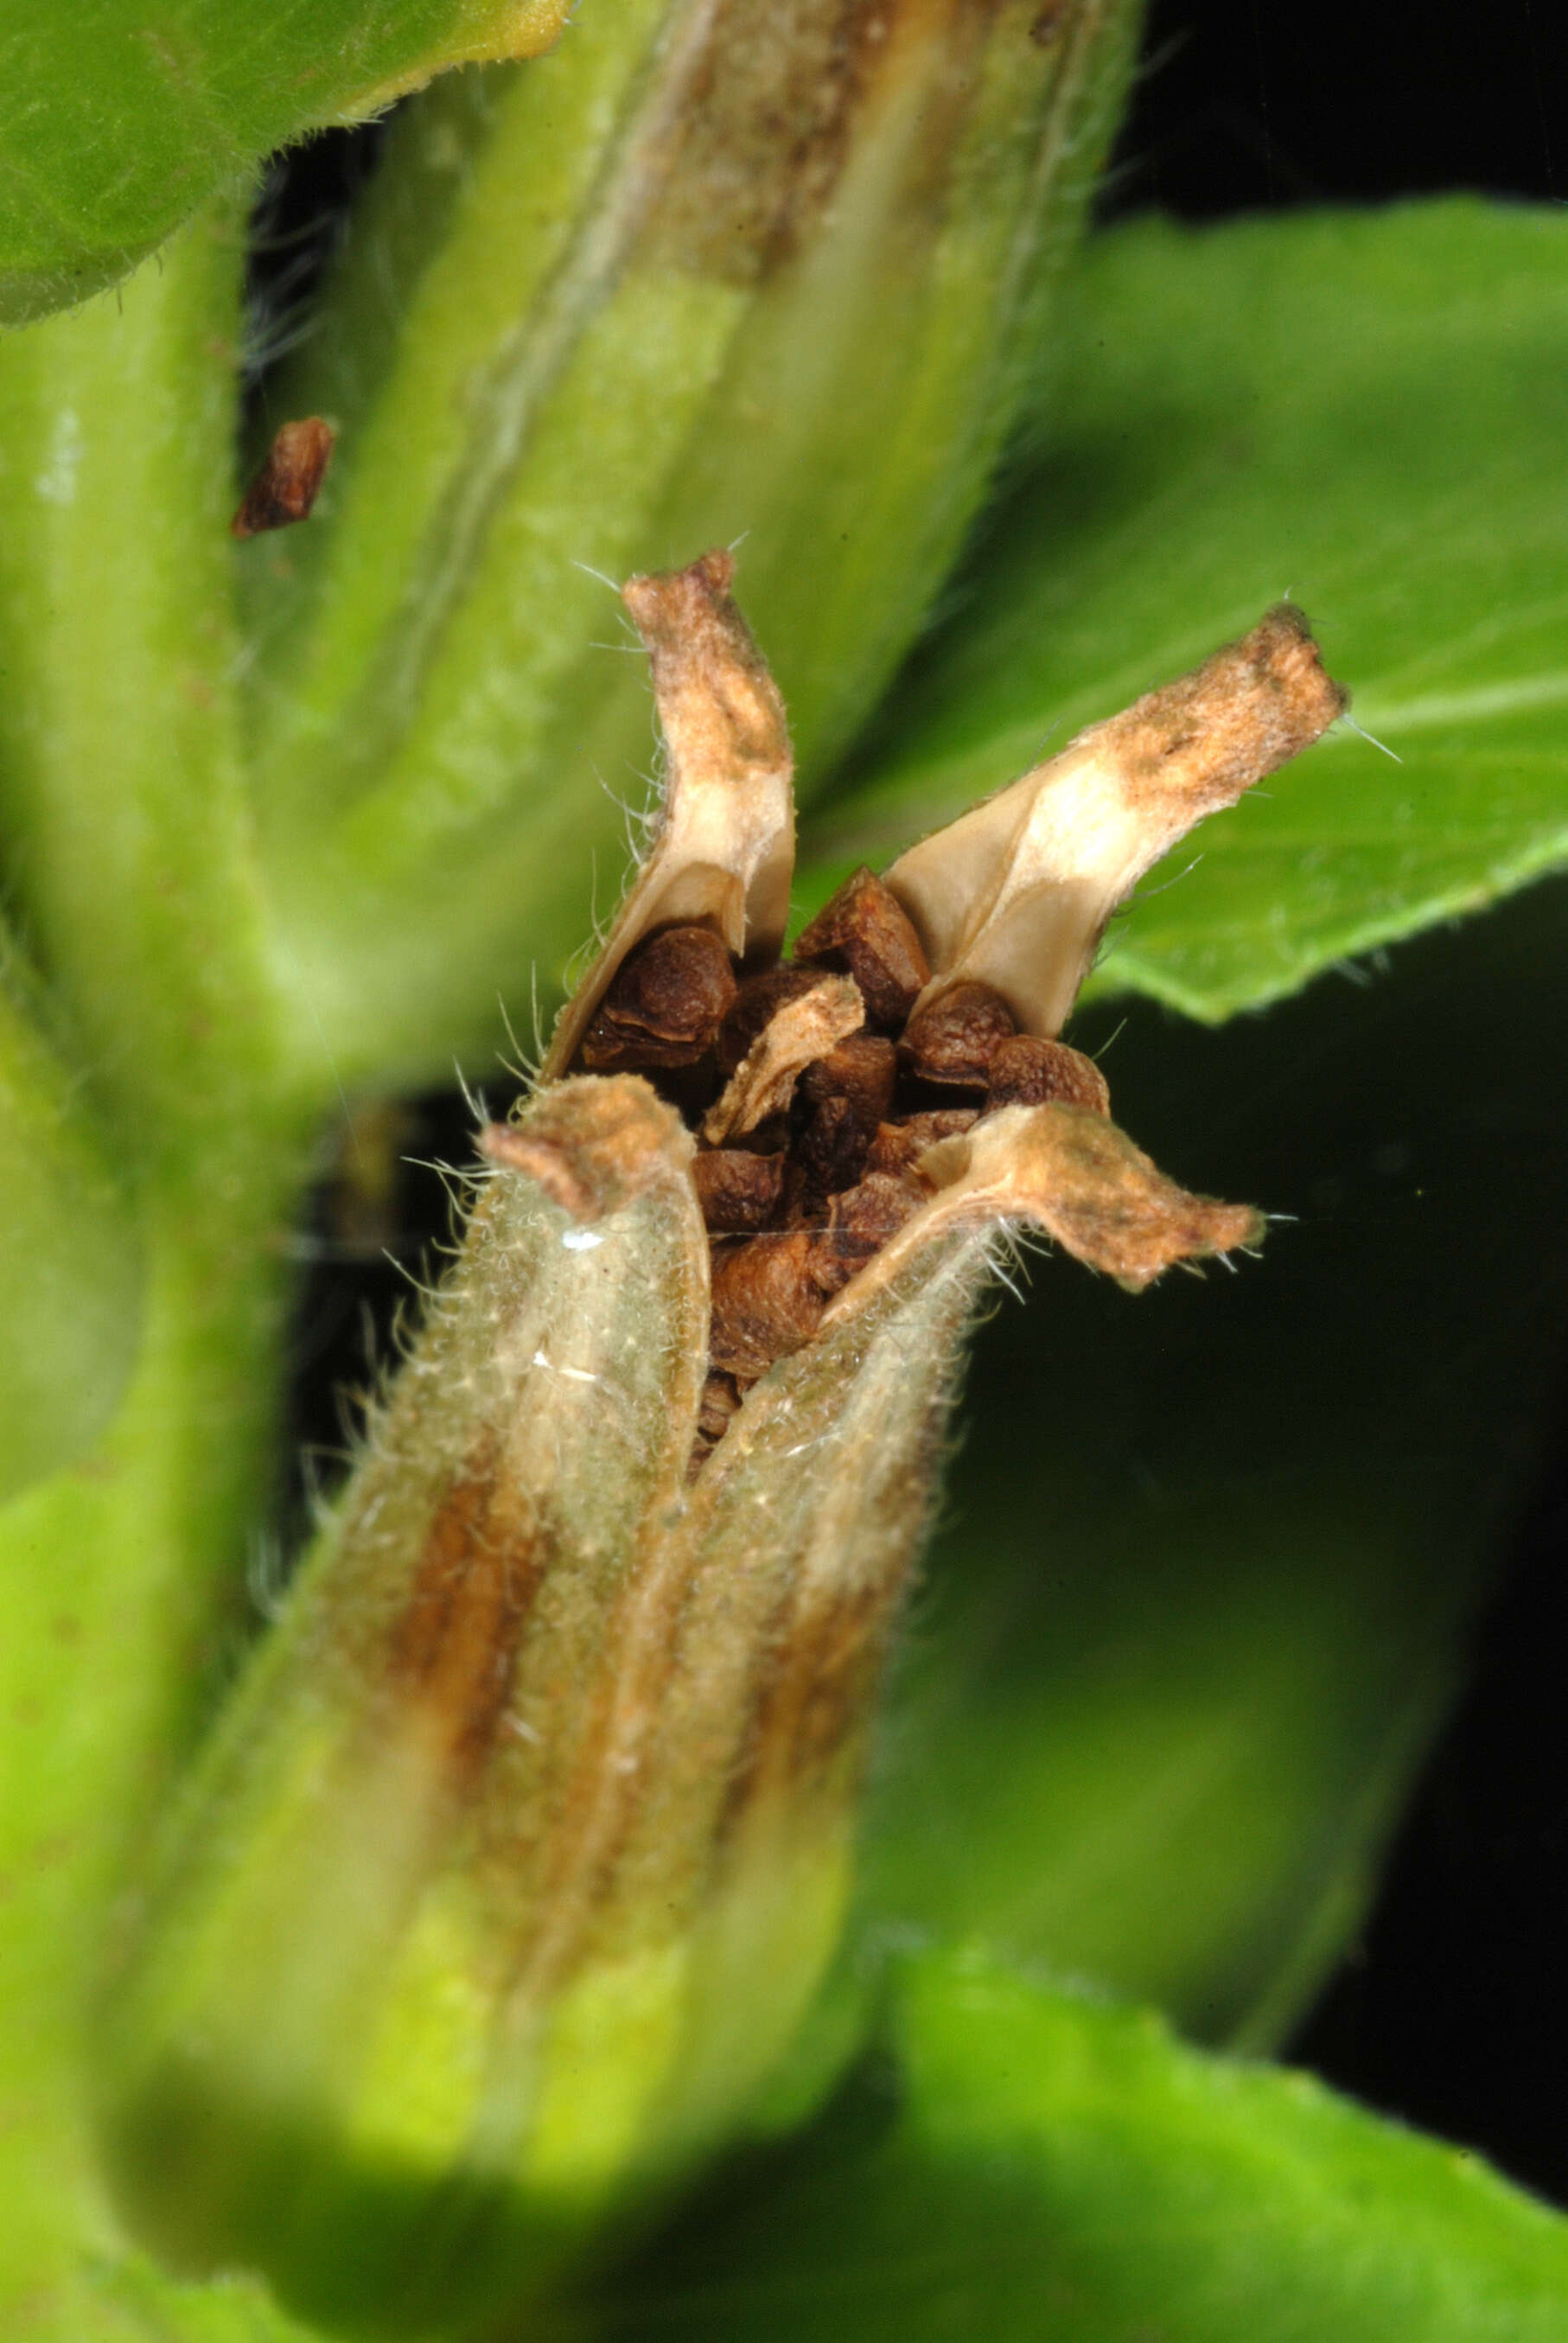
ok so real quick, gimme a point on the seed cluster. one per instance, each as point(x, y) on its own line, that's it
point(814, 1086)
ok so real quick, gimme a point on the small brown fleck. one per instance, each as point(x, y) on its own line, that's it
point(665, 1005)
point(955, 1039)
point(1028, 1072)
point(1048, 22)
point(739, 1192)
point(289, 481)
point(864, 930)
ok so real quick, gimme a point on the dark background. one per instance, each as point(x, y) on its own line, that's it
point(1449, 2010)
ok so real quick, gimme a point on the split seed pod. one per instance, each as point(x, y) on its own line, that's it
point(525, 1845)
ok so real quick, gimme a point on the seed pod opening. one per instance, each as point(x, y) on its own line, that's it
point(515, 1864)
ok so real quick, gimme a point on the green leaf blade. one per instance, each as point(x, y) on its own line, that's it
point(1063, 2171)
point(117, 119)
point(1362, 410)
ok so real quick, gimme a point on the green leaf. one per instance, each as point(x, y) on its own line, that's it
point(1209, 1552)
point(1364, 410)
point(117, 119)
point(1047, 2169)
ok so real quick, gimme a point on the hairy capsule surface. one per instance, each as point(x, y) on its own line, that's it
point(521, 1852)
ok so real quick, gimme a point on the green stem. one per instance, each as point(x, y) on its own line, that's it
point(130, 855)
point(131, 841)
point(69, 1257)
point(122, 1574)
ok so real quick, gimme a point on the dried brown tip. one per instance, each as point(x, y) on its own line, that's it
point(1016, 893)
point(1197, 744)
point(1070, 1172)
point(725, 848)
point(592, 1144)
point(288, 483)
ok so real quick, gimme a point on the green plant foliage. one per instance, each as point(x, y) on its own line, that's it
point(118, 118)
point(69, 1262)
point(288, 822)
point(1034, 2167)
point(1196, 1605)
point(1365, 411)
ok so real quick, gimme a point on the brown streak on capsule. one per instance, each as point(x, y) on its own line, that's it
point(286, 488)
point(784, 98)
point(454, 1643)
point(808, 1698)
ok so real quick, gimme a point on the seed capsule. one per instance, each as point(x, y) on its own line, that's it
point(522, 1849)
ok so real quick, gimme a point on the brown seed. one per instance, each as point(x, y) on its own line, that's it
point(757, 1001)
point(664, 1005)
point(765, 1302)
point(955, 1039)
point(859, 1224)
point(898, 1146)
point(796, 1036)
point(737, 1192)
point(829, 1153)
point(846, 1095)
point(289, 481)
point(721, 1398)
point(861, 1071)
point(1028, 1072)
point(864, 930)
